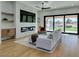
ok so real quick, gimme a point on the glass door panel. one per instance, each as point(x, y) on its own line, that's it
point(49, 23)
point(71, 23)
point(59, 23)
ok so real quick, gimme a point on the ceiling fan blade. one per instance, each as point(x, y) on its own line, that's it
point(43, 5)
point(37, 6)
point(46, 8)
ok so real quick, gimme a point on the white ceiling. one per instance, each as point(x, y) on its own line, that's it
point(52, 4)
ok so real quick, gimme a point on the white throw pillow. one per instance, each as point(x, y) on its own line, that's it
point(50, 36)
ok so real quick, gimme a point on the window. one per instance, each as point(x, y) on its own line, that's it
point(59, 22)
point(49, 23)
point(71, 23)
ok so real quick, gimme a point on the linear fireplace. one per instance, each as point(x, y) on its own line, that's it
point(30, 28)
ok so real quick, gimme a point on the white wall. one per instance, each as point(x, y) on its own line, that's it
point(57, 12)
point(7, 7)
point(19, 24)
point(7, 25)
point(0, 22)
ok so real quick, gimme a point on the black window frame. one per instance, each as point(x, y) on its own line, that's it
point(64, 22)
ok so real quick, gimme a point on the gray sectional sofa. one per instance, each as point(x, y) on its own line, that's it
point(49, 41)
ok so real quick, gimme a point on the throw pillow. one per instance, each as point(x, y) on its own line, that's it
point(50, 36)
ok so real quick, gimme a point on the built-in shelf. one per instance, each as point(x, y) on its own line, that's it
point(7, 21)
point(7, 13)
point(9, 16)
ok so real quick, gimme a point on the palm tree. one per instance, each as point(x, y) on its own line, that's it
point(69, 21)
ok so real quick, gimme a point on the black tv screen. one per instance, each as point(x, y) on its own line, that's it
point(29, 18)
point(26, 16)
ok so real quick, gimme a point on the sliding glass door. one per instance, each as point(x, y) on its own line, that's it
point(71, 24)
point(67, 23)
point(49, 23)
point(59, 22)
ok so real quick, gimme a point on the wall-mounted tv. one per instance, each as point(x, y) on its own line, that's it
point(26, 16)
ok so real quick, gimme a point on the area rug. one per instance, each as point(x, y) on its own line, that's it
point(25, 42)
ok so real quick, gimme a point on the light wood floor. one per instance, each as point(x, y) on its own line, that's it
point(69, 47)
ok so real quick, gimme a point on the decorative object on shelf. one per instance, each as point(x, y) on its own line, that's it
point(5, 19)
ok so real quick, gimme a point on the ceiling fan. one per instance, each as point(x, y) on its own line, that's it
point(43, 7)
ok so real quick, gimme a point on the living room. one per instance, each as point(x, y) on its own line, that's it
point(39, 28)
